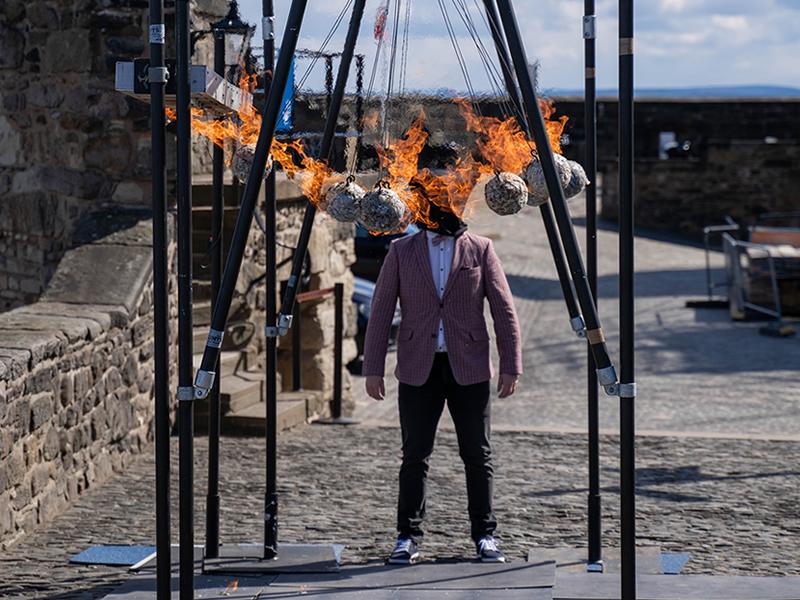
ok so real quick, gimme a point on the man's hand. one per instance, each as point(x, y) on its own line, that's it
point(506, 385)
point(375, 387)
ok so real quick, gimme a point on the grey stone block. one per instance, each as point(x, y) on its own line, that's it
point(101, 274)
point(41, 410)
point(40, 344)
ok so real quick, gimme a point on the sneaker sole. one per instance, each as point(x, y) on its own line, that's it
point(492, 560)
point(398, 561)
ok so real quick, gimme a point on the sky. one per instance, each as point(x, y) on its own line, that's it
point(679, 43)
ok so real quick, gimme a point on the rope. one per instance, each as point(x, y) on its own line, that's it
point(459, 55)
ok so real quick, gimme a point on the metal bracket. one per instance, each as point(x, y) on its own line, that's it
point(203, 382)
point(268, 28)
point(185, 394)
point(578, 326)
point(607, 376)
point(157, 75)
point(271, 331)
point(595, 567)
point(157, 33)
point(589, 27)
point(284, 324)
point(627, 390)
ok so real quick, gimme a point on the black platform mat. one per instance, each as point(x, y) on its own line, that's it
point(590, 586)
point(573, 560)
point(246, 559)
point(430, 576)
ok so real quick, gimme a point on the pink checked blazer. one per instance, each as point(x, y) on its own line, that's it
point(476, 274)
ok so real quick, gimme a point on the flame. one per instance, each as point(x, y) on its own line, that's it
point(502, 145)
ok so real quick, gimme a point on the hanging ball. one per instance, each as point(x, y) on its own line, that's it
point(577, 181)
point(342, 201)
point(382, 210)
point(534, 175)
point(506, 193)
point(243, 162)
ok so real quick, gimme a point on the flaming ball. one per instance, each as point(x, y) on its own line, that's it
point(243, 162)
point(342, 201)
point(382, 210)
point(537, 187)
point(506, 193)
point(577, 181)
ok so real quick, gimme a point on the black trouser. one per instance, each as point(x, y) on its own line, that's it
point(420, 409)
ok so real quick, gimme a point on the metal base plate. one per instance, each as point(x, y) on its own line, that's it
point(429, 575)
point(707, 304)
point(247, 559)
point(339, 421)
point(573, 560)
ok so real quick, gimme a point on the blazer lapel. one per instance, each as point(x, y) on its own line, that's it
point(458, 255)
point(424, 261)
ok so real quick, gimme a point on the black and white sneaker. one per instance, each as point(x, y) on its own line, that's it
point(405, 552)
point(488, 551)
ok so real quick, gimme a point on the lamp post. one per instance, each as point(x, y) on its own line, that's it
point(231, 29)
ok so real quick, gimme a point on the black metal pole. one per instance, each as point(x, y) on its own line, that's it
point(627, 394)
point(185, 391)
point(284, 318)
point(567, 288)
point(206, 373)
point(338, 328)
point(297, 349)
point(590, 164)
point(594, 333)
point(270, 241)
point(215, 249)
point(161, 395)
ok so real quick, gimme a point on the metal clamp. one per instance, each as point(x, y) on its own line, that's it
point(589, 27)
point(271, 331)
point(626, 390)
point(607, 376)
point(157, 75)
point(595, 567)
point(284, 324)
point(578, 326)
point(203, 382)
point(185, 394)
point(268, 28)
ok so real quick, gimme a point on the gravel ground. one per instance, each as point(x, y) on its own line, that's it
point(732, 504)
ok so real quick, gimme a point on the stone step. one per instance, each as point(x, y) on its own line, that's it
point(228, 363)
point(201, 313)
point(294, 408)
point(237, 393)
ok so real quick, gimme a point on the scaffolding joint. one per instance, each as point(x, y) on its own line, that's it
point(157, 75)
point(185, 393)
point(284, 324)
point(203, 383)
point(578, 326)
point(268, 28)
point(589, 27)
point(595, 566)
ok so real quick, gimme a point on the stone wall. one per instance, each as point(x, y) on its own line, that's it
point(76, 379)
point(68, 141)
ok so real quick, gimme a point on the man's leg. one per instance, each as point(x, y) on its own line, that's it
point(469, 406)
point(420, 409)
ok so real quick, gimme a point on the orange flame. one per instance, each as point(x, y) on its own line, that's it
point(501, 146)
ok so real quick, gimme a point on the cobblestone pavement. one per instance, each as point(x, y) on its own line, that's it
point(696, 370)
point(732, 504)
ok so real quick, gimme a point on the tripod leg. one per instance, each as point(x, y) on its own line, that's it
point(205, 375)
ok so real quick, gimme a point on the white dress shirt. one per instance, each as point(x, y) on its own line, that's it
point(441, 256)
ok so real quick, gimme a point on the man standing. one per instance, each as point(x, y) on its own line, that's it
point(442, 276)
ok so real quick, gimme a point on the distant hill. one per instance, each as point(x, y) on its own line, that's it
point(722, 91)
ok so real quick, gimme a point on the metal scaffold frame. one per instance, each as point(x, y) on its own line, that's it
point(578, 283)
